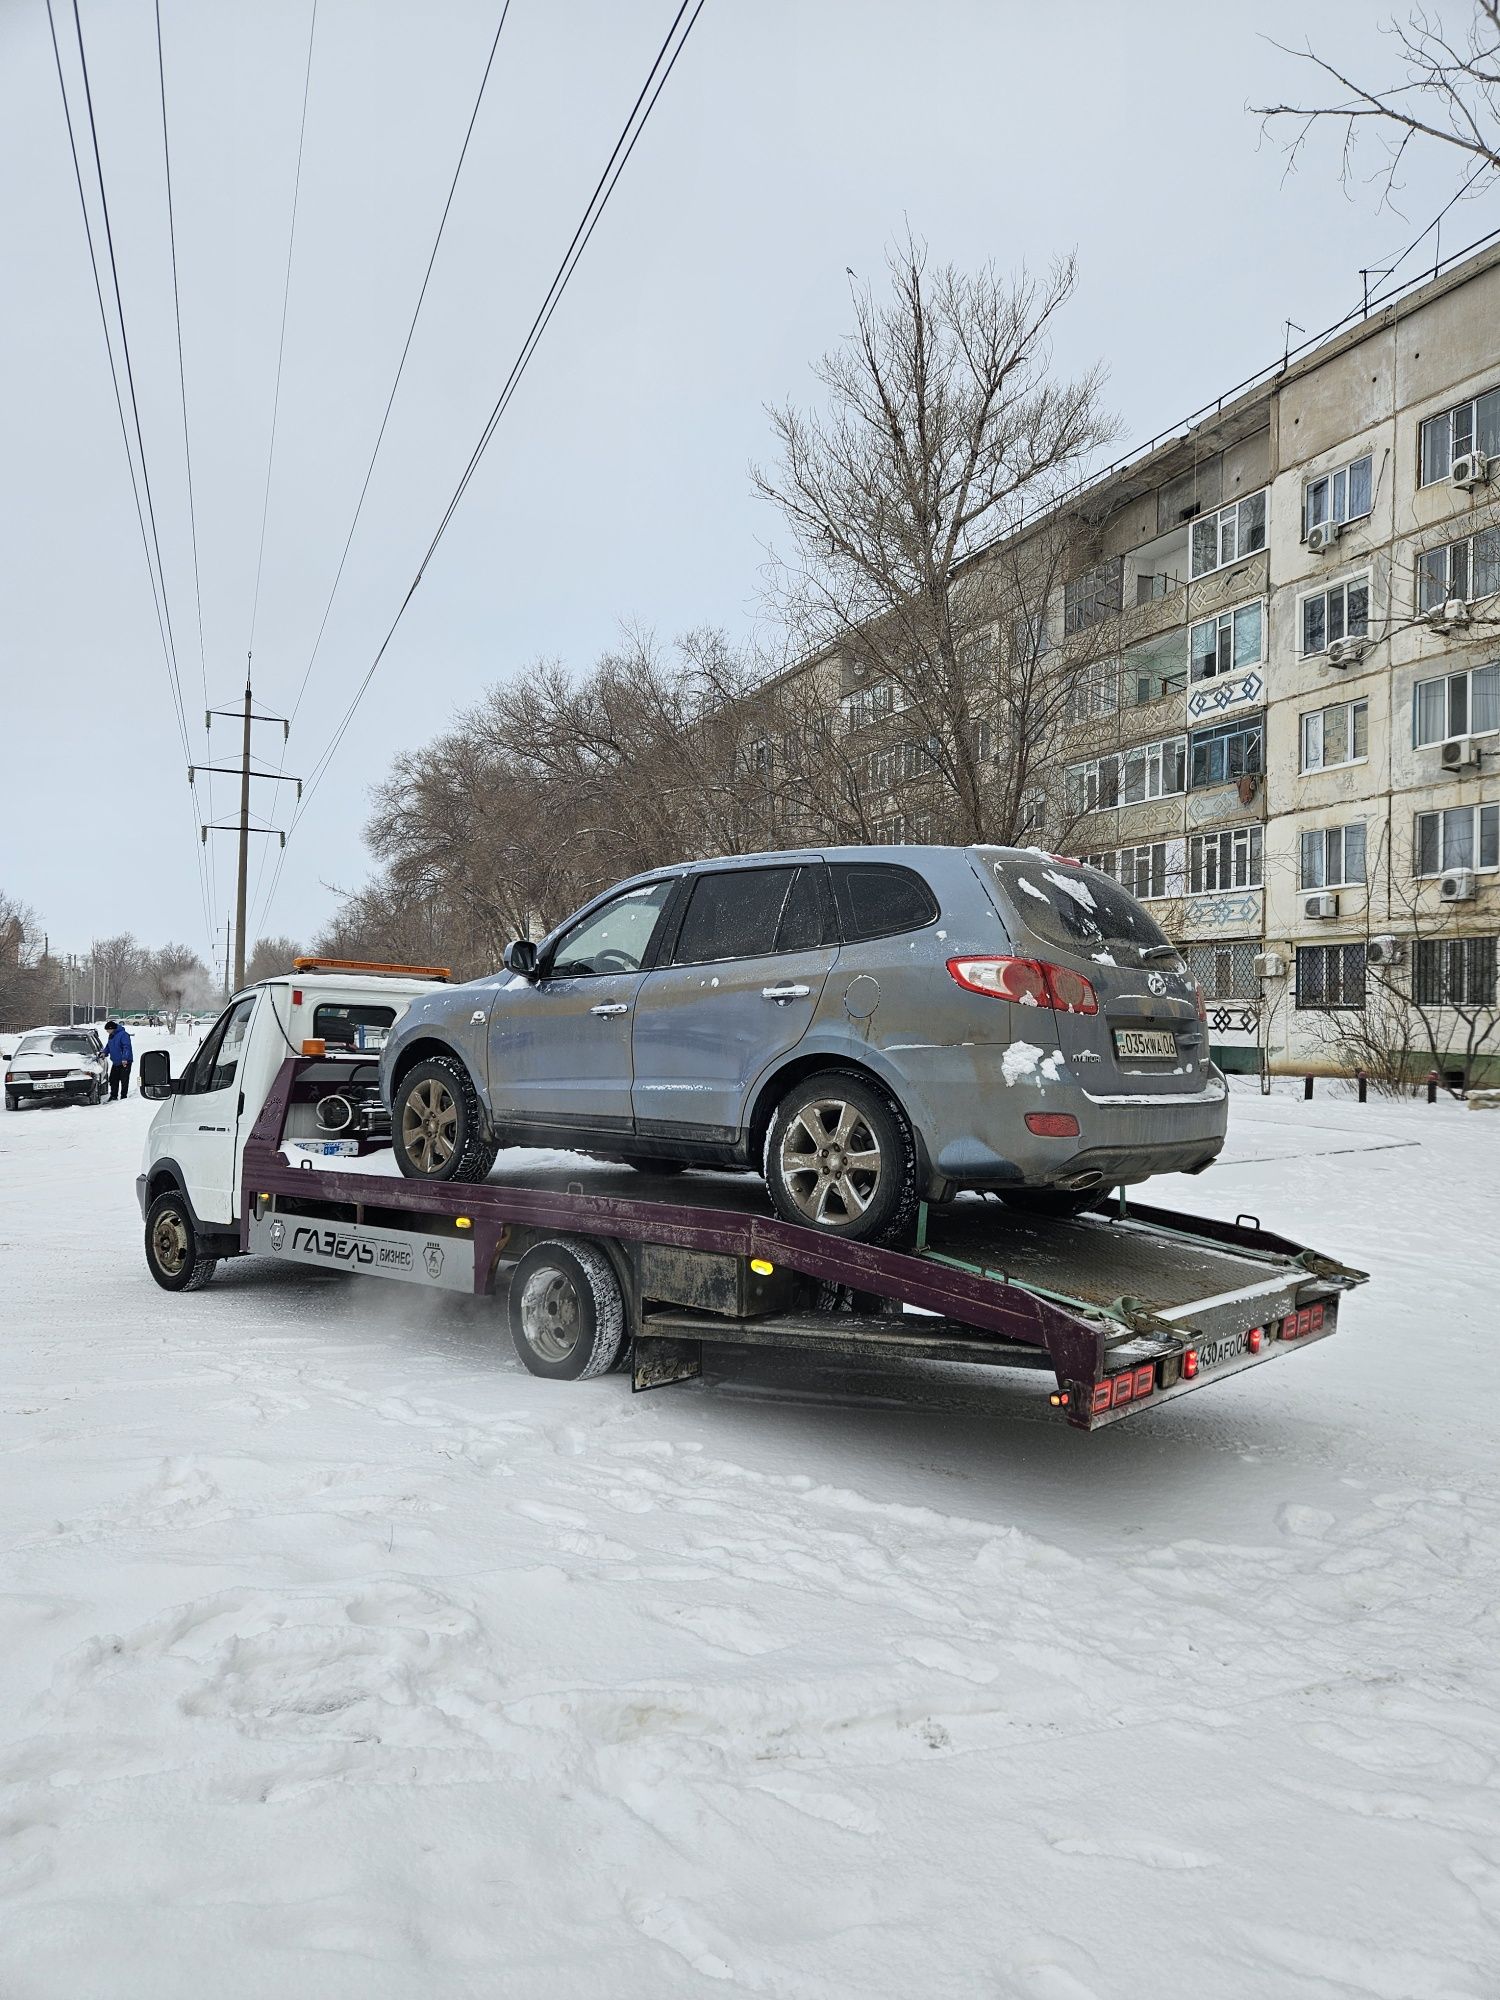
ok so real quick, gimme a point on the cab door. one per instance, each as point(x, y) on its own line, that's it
point(206, 1115)
point(738, 989)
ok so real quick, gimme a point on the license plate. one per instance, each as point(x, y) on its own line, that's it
point(47, 1083)
point(1160, 1042)
point(1211, 1353)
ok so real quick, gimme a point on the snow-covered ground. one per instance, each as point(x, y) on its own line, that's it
point(340, 1657)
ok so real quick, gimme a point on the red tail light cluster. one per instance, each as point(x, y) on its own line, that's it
point(1189, 1363)
point(1130, 1386)
point(1028, 981)
point(1297, 1326)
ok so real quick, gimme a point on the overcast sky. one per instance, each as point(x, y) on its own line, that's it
point(794, 140)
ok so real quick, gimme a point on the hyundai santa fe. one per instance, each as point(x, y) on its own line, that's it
point(866, 1027)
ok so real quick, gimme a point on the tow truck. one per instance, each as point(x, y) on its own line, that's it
point(274, 1143)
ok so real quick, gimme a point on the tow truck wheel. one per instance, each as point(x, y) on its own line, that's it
point(567, 1314)
point(840, 1158)
point(437, 1124)
point(172, 1254)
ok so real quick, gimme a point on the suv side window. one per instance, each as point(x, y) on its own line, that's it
point(751, 913)
point(216, 1063)
point(877, 899)
point(615, 938)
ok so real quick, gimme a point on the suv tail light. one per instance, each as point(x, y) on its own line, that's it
point(1031, 982)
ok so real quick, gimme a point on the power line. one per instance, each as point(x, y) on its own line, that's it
point(155, 571)
point(396, 383)
point(656, 79)
point(286, 294)
point(187, 449)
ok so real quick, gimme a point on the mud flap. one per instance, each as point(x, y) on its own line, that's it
point(656, 1360)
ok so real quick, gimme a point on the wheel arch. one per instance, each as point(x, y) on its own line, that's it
point(805, 1063)
point(427, 1048)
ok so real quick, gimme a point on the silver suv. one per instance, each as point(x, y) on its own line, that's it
point(864, 1026)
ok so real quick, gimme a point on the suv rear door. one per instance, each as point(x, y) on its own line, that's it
point(1146, 1038)
point(737, 988)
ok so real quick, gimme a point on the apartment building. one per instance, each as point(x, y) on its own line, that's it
point(1285, 724)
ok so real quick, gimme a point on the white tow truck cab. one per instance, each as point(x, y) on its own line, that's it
point(336, 1011)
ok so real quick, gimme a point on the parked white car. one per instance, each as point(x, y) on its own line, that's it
point(58, 1066)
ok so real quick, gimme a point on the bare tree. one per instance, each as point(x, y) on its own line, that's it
point(117, 968)
point(946, 433)
point(176, 977)
point(1447, 92)
point(272, 955)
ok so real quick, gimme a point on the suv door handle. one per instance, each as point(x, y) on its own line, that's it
point(784, 992)
point(611, 1007)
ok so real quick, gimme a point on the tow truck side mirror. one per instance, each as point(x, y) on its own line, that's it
point(156, 1074)
point(520, 956)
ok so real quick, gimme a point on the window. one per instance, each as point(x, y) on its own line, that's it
point(1156, 668)
point(984, 740)
point(921, 829)
point(1107, 864)
point(1142, 871)
point(217, 1062)
point(1029, 637)
point(1468, 427)
point(1047, 898)
point(1095, 595)
point(74, 1045)
point(876, 899)
point(890, 832)
point(1340, 612)
point(614, 938)
point(1461, 837)
point(1464, 704)
point(1330, 975)
point(1230, 535)
point(1228, 643)
point(1344, 495)
point(1337, 735)
point(1332, 857)
point(352, 1027)
point(1228, 860)
point(919, 758)
point(1130, 777)
point(1225, 971)
point(1466, 569)
point(1453, 972)
point(1230, 750)
point(880, 767)
point(856, 709)
point(749, 913)
point(1094, 690)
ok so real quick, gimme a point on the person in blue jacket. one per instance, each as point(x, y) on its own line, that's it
point(120, 1056)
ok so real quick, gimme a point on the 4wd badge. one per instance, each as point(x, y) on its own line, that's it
point(432, 1257)
point(278, 1234)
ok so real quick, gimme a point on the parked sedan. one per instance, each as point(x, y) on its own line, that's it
point(56, 1065)
point(866, 1027)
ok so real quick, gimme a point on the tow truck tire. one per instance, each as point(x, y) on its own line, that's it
point(821, 1186)
point(437, 1124)
point(1053, 1201)
point(173, 1256)
point(566, 1310)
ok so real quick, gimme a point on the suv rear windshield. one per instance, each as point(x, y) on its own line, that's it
point(1078, 909)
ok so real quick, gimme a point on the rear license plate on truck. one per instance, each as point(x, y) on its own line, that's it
point(1159, 1042)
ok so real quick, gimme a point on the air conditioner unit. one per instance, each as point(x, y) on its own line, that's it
point(1384, 951)
point(1323, 904)
point(1460, 753)
point(1323, 536)
point(1270, 965)
point(1346, 652)
point(1470, 469)
point(1457, 886)
point(1449, 617)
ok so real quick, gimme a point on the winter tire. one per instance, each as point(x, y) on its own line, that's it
point(12, 1102)
point(173, 1255)
point(840, 1158)
point(437, 1124)
point(1053, 1201)
point(566, 1310)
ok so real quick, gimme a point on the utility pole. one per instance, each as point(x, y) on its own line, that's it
point(249, 716)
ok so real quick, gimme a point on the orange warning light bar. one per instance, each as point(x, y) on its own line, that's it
point(372, 965)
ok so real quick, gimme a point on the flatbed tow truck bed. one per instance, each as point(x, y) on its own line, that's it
point(1125, 1309)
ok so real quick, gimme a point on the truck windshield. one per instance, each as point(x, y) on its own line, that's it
point(1078, 909)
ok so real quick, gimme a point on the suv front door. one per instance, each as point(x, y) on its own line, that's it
point(559, 1043)
point(741, 986)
